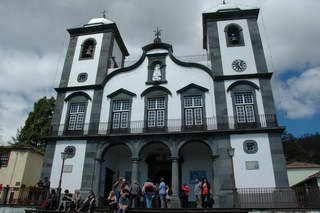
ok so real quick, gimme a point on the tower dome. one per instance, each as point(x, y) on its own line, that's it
point(226, 7)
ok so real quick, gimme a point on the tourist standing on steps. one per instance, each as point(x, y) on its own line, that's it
point(148, 190)
point(169, 196)
point(205, 193)
point(116, 187)
point(197, 193)
point(135, 192)
point(162, 193)
point(185, 195)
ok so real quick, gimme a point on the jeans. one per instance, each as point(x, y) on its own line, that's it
point(148, 197)
point(163, 201)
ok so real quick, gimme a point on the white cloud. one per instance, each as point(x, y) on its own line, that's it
point(299, 96)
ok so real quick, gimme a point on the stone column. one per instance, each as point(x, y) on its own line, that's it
point(215, 187)
point(175, 202)
point(135, 169)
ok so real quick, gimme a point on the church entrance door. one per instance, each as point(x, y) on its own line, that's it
point(159, 168)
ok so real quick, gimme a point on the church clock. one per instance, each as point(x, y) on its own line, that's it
point(239, 65)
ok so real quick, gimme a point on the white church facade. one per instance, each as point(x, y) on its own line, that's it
point(163, 117)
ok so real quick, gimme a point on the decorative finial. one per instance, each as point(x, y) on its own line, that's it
point(104, 14)
point(157, 33)
point(223, 1)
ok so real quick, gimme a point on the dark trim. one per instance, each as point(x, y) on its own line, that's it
point(68, 62)
point(87, 87)
point(190, 64)
point(144, 55)
point(244, 76)
point(249, 83)
point(279, 130)
point(100, 29)
point(192, 85)
point(124, 69)
point(227, 15)
point(57, 115)
point(119, 91)
point(257, 46)
point(155, 88)
point(77, 94)
point(95, 110)
point(105, 55)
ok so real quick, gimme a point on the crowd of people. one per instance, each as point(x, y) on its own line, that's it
point(124, 195)
point(157, 195)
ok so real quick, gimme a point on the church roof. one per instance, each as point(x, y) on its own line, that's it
point(302, 165)
point(228, 7)
point(98, 21)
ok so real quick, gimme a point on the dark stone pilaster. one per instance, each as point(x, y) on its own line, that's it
point(95, 111)
point(223, 173)
point(219, 87)
point(57, 113)
point(105, 54)
point(68, 62)
point(268, 102)
point(278, 160)
point(89, 168)
point(257, 46)
point(48, 159)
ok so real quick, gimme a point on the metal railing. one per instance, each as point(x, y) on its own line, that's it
point(302, 197)
point(30, 196)
point(170, 126)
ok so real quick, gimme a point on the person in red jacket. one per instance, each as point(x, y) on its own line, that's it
point(185, 195)
point(205, 193)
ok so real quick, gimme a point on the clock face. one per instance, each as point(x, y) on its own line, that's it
point(71, 151)
point(239, 65)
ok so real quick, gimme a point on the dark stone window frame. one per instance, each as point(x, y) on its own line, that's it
point(227, 35)
point(241, 89)
point(153, 60)
point(193, 90)
point(245, 147)
point(83, 46)
point(83, 75)
point(155, 94)
point(120, 95)
point(78, 98)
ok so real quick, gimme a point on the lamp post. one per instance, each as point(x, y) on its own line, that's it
point(63, 157)
point(231, 154)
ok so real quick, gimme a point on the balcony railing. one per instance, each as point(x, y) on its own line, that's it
point(301, 197)
point(171, 126)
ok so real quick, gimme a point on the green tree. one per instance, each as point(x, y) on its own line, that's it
point(37, 125)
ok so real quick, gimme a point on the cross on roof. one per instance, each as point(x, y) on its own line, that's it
point(157, 32)
point(223, 1)
point(104, 14)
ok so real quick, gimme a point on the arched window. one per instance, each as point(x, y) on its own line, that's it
point(234, 35)
point(77, 107)
point(88, 48)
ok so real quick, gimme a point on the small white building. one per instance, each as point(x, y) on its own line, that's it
point(299, 172)
point(163, 117)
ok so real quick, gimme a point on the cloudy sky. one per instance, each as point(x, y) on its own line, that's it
point(33, 42)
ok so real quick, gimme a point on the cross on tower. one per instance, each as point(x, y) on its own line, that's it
point(157, 32)
point(104, 14)
point(223, 1)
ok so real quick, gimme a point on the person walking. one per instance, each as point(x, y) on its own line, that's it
point(162, 193)
point(148, 190)
point(197, 193)
point(134, 193)
point(205, 193)
point(185, 195)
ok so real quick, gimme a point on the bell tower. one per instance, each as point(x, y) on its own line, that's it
point(232, 39)
point(94, 50)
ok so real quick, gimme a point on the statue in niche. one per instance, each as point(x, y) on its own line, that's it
point(156, 76)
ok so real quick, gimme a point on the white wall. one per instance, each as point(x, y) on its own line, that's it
point(71, 180)
point(65, 109)
point(89, 66)
point(264, 176)
point(229, 54)
point(177, 77)
point(260, 108)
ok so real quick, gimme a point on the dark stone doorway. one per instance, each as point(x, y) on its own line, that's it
point(159, 166)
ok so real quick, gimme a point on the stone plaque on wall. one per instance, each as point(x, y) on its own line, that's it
point(252, 165)
point(67, 168)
